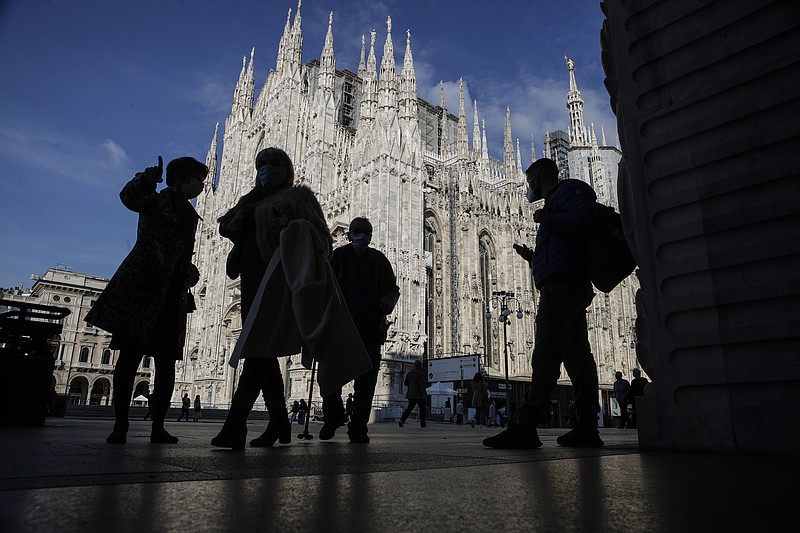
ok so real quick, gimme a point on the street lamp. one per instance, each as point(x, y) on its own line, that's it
point(503, 299)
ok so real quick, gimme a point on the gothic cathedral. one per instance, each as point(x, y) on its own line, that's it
point(444, 212)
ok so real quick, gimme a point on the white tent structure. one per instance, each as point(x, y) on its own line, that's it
point(439, 389)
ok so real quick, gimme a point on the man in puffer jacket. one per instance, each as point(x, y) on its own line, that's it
point(559, 272)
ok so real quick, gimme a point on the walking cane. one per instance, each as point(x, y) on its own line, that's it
point(305, 434)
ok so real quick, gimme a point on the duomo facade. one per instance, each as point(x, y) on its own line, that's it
point(444, 211)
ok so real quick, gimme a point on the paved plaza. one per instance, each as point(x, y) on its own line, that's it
point(64, 477)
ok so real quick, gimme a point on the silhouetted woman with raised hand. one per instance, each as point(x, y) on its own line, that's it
point(254, 225)
point(145, 303)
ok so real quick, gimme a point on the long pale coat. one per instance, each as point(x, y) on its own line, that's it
point(299, 307)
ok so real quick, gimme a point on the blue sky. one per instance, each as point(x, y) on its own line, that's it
point(93, 91)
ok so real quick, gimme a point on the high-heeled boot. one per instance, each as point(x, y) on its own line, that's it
point(234, 431)
point(278, 429)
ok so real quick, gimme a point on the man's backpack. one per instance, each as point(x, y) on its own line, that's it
point(609, 259)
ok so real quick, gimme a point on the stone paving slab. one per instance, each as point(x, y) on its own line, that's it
point(64, 476)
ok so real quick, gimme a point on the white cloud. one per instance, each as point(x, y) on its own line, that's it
point(57, 153)
point(116, 154)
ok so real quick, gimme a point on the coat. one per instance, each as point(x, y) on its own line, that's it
point(145, 302)
point(479, 394)
point(376, 287)
point(562, 238)
point(416, 381)
point(299, 308)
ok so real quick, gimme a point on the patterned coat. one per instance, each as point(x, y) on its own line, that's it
point(145, 303)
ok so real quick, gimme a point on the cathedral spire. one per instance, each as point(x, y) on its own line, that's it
point(476, 129)
point(484, 148)
point(362, 64)
point(284, 43)
point(327, 68)
point(211, 161)
point(408, 84)
point(368, 99)
point(204, 202)
point(519, 159)
point(387, 91)
point(295, 50)
point(533, 150)
point(444, 147)
point(244, 91)
point(508, 147)
point(462, 140)
point(575, 106)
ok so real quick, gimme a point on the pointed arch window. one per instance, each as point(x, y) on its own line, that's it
point(487, 259)
point(431, 252)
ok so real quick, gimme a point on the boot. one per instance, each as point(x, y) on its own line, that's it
point(158, 434)
point(120, 433)
point(279, 428)
point(234, 431)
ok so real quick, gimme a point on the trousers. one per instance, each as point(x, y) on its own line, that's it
point(562, 337)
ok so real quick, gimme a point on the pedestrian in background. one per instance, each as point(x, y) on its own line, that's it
point(637, 389)
point(348, 406)
point(480, 392)
point(622, 390)
point(186, 404)
point(145, 303)
point(415, 383)
point(197, 408)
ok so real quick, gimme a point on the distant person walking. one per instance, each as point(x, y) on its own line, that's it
point(480, 398)
point(349, 406)
point(301, 413)
point(622, 390)
point(144, 306)
point(197, 408)
point(415, 383)
point(637, 389)
point(186, 404)
point(460, 412)
point(295, 410)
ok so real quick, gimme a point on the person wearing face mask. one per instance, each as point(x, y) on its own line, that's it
point(559, 271)
point(254, 225)
point(145, 303)
point(370, 289)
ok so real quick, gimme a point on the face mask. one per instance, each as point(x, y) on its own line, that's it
point(271, 176)
point(191, 188)
point(530, 195)
point(360, 241)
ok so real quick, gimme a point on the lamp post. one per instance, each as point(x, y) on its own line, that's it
point(503, 299)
